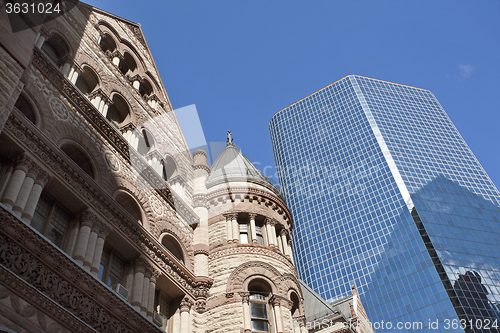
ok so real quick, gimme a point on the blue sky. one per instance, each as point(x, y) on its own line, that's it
point(240, 62)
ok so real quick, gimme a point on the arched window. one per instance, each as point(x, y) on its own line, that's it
point(130, 205)
point(56, 49)
point(169, 168)
point(118, 111)
point(146, 141)
point(173, 247)
point(128, 64)
point(79, 157)
point(26, 108)
point(260, 312)
point(87, 81)
point(107, 43)
point(295, 311)
point(145, 89)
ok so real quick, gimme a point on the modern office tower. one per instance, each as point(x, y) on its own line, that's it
point(387, 196)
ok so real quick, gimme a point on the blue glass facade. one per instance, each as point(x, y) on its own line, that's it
point(386, 195)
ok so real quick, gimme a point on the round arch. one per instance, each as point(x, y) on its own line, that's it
point(27, 106)
point(88, 80)
point(243, 275)
point(57, 48)
point(173, 245)
point(119, 112)
point(130, 204)
point(79, 155)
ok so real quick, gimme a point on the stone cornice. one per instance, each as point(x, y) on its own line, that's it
point(248, 194)
point(94, 117)
point(23, 132)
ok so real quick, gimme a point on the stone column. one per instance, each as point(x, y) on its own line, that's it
point(185, 306)
point(42, 37)
point(270, 230)
point(176, 321)
point(302, 325)
point(145, 292)
point(273, 233)
point(117, 57)
point(265, 239)
point(151, 298)
point(247, 319)
point(24, 163)
point(284, 241)
point(87, 220)
point(89, 254)
point(229, 228)
point(138, 284)
point(280, 244)
point(201, 246)
point(42, 179)
point(290, 250)
point(99, 246)
point(275, 302)
point(253, 231)
point(236, 229)
point(25, 191)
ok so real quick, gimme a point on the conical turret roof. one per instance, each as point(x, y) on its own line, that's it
point(233, 165)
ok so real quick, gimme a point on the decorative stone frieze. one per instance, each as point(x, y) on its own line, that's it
point(45, 268)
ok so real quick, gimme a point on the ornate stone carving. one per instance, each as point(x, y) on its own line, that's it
point(156, 205)
point(199, 201)
point(245, 296)
point(88, 218)
point(43, 178)
point(58, 109)
point(50, 272)
point(200, 305)
point(186, 304)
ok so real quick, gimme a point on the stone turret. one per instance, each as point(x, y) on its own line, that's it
point(249, 244)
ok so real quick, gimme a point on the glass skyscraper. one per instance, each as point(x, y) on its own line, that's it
point(386, 195)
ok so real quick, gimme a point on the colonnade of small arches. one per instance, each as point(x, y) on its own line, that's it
point(114, 107)
point(252, 228)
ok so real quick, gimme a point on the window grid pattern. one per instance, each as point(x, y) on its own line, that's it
point(351, 224)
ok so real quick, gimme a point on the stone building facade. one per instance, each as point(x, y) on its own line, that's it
point(107, 222)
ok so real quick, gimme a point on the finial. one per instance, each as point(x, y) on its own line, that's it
point(229, 138)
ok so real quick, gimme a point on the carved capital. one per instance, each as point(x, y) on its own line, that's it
point(275, 300)
point(200, 305)
point(301, 320)
point(270, 221)
point(88, 218)
point(104, 231)
point(140, 265)
point(24, 162)
point(199, 201)
point(245, 296)
point(252, 216)
point(284, 232)
point(155, 274)
point(45, 33)
point(43, 178)
point(231, 216)
point(186, 304)
point(96, 227)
